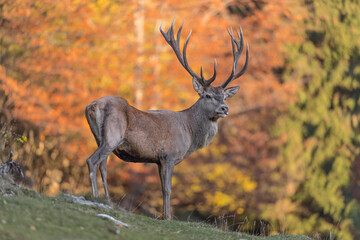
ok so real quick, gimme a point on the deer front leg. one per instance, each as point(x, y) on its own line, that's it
point(165, 171)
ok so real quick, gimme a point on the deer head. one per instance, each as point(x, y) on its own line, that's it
point(212, 99)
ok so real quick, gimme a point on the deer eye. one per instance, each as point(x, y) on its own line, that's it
point(208, 96)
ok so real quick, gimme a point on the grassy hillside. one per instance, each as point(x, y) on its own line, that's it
point(25, 214)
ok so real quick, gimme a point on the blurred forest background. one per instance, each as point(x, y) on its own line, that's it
point(288, 153)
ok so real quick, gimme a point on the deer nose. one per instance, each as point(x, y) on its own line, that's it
point(225, 109)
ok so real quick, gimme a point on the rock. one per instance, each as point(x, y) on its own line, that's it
point(113, 220)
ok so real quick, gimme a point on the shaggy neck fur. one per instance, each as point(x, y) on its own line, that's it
point(202, 128)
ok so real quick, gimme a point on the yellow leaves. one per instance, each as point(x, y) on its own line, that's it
point(223, 174)
point(195, 188)
point(105, 82)
point(247, 184)
point(103, 3)
point(221, 186)
point(219, 199)
point(22, 139)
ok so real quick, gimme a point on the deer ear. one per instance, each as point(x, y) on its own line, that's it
point(197, 86)
point(229, 92)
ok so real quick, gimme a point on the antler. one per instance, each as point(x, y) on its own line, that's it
point(175, 45)
point(237, 52)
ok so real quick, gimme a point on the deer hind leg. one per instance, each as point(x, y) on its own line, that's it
point(96, 118)
point(103, 173)
point(108, 134)
point(106, 144)
point(110, 141)
point(104, 179)
point(99, 156)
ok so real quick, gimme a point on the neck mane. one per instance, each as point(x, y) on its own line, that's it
point(202, 128)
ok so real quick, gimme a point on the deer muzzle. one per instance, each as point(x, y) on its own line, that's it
point(223, 111)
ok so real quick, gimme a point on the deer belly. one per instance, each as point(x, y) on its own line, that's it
point(150, 151)
point(133, 157)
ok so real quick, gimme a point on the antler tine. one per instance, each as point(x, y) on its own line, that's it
point(237, 53)
point(186, 66)
point(236, 56)
point(201, 79)
point(175, 45)
point(169, 38)
point(179, 33)
point(234, 50)
point(210, 80)
point(246, 63)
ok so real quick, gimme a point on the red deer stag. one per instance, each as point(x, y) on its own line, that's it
point(161, 136)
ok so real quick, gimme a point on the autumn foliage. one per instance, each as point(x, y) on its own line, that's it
point(57, 56)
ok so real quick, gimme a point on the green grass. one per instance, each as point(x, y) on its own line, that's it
point(25, 214)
